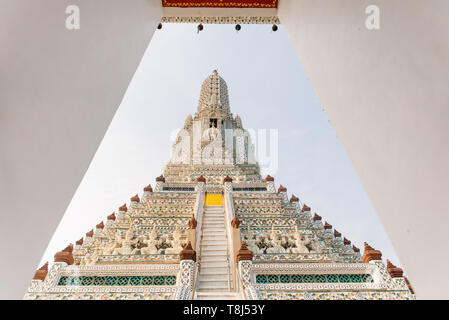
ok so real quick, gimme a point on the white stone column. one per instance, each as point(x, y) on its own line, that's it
point(246, 280)
point(186, 279)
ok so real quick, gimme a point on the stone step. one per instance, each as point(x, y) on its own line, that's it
point(210, 276)
point(220, 243)
point(211, 264)
point(209, 233)
point(213, 224)
point(213, 253)
point(213, 229)
point(209, 256)
point(213, 285)
point(214, 257)
point(214, 237)
point(207, 247)
point(214, 240)
point(206, 270)
point(207, 250)
point(216, 220)
point(214, 234)
point(212, 295)
point(223, 263)
point(219, 232)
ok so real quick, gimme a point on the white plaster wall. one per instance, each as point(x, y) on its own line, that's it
point(59, 90)
point(386, 95)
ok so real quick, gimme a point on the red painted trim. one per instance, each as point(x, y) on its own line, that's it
point(221, 3)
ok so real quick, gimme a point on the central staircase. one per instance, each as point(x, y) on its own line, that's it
point(215, 277)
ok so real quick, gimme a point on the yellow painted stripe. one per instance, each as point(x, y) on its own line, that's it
point(214, 200)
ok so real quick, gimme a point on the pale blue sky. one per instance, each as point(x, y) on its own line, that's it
point(268, 89)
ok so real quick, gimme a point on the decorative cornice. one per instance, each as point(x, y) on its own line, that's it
point(227, 179)
point(201, 179)
point(346, 241)
point(41, 273)
point(268, 178)
point(294, 198)
point(235, 223)
point(316, 217)
point(192, 222)
point(148, 188)
point(90, 233)
point(371, 254)
point(123, 208)
point(305, 208)
point(315, 267)
point(187, 253)
point(223, 20)
point(112, 216)
point(121, 269)
point(282, 189)
point(79, 242)
point(244, 254)
point(336, 233)
point(160, 179)
point(327, 226)
point(65, 255)
point(135, 198)
point(100, 225)
point(394, 271)
point(355, 248)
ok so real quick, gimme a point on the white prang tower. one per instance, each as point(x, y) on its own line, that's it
point(212, 228)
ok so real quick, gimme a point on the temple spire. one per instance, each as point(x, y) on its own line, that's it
point(214, 98)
